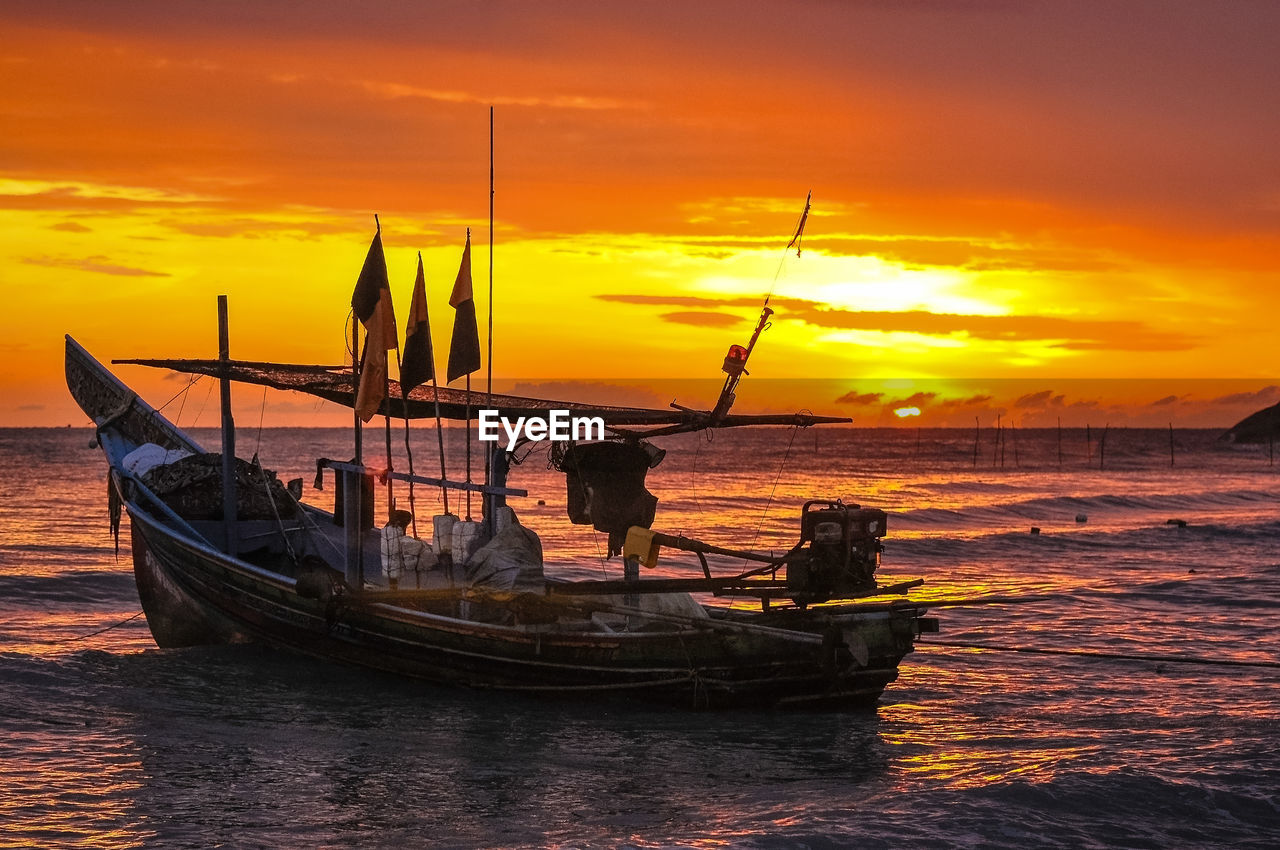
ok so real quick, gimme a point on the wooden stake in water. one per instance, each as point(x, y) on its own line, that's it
point(1271, 440)
point(977, 430)
point(1171, 444)
point(1102, 447)
point(1059, 442)
point(995, 455)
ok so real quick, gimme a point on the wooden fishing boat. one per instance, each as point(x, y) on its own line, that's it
point(280, 582)
point(223, 553)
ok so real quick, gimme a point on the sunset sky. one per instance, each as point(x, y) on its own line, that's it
point(1012, 201)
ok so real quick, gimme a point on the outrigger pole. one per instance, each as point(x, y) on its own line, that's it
point(386, 418)
point(351, 483)
point(408, 449)
point(435, 388)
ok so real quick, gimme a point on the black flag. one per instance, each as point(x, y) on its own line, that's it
point(464, 348)
point(371, 303)
point(418, 365)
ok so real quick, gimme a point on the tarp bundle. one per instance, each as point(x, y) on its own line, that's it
point(605, 486)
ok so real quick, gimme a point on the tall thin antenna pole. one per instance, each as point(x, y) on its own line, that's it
point(489, 357)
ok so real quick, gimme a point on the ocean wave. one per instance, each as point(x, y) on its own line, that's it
point(1250, 541)
point(75, 587)
point(1065, 508)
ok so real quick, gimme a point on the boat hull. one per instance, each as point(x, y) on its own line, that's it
point(195, 595)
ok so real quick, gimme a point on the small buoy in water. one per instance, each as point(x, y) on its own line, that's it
point(542, 501)
point(1181, 523)
point(1035, 529)
point(1082, 518)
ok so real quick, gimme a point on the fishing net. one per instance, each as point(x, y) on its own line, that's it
point(192, 486)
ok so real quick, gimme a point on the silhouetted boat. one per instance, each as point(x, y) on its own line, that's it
point(224, 553)
point(281, 587)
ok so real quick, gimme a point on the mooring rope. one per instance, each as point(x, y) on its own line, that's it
point(90, 634)
point(1120, 656)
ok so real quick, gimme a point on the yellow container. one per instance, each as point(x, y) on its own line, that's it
point(640, 544)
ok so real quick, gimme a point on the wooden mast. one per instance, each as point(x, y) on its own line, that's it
point(228, 433)
point(353, 482)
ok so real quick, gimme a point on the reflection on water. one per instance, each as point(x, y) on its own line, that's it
point(108, 741)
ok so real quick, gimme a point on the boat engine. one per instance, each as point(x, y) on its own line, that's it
point(838, 553)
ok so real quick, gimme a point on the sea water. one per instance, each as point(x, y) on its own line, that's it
point(107, 741)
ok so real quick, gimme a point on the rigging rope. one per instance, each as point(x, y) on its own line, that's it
point(795, 241)
point(1120, 656)
point(262, 410)
point(693, 473)
point(204, 405)
point(182, 392)
point(275, 511)
point(346, 341)
point(795, 429)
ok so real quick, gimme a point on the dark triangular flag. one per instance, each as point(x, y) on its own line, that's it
point(464, 348)
point(804, 218)
point(418, 365)
point(371, 304)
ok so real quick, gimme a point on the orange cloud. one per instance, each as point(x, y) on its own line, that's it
point(973, 212)
point(1061, 332)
